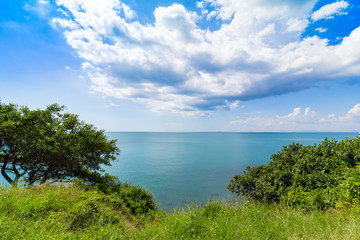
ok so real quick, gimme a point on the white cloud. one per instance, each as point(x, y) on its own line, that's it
point(41, 7)
point(175, 66)
point(355, 111)
point(129, 13)
point(321, 29)
point(63, 23)
point(211, 15)
point(200, 4)
point(68, 68)
point(112, 104)
point(329, 10)
point(297, 25)
point(301, 120)
point(292, 121)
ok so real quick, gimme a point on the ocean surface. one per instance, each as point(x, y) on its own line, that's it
point(184, 168)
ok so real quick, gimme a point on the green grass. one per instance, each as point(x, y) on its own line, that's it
point(60, 212)
point(247, 220)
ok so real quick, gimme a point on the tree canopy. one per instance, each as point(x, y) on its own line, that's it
point(314, 177)
point(41, 145)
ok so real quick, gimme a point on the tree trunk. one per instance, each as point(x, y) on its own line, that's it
point(3, 172)
point(17, 174)
point(44, 178)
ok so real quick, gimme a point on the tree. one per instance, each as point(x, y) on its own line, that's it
point(42, 145)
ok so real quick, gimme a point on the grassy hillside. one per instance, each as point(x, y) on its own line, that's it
point(60, 212)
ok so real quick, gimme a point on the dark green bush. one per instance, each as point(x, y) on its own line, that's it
point(313, 177)
point(131, 199)
point(138, 200)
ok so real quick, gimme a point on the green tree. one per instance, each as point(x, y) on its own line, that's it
point(42, 145)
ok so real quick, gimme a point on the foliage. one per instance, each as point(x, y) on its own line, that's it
point(68, 210)
point(313, 177)
point(137, 200)
point(72, 212)
point(350, 189)
point(41, 145)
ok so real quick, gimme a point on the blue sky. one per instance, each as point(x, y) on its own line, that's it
point(210, 65)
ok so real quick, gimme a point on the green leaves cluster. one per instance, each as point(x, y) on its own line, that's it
point(41, 145)
point(313, 177)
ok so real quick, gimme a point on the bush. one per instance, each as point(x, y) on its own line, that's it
point(132, 199)
point(138, 200)
point(313, 177)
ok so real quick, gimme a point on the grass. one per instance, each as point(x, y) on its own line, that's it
point(70, 212)
point(221, 220)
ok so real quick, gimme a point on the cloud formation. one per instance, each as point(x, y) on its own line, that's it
point(329, 10)
point(321, 30)
point(301, 120)
point(41, 7)
point(173, 65)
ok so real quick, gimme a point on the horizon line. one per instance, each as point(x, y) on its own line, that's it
point(358, 132)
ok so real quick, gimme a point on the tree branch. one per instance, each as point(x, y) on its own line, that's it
point(3, 172)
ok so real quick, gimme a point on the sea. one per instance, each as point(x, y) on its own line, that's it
point(180, 169)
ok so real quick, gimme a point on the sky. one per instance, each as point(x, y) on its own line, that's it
point(186, 66)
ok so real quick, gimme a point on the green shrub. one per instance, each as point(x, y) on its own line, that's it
point(313, 177)
point(137, 199)
point(132, 199)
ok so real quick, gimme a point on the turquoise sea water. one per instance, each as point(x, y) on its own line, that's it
point(183, 168)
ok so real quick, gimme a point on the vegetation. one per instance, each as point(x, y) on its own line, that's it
point(71, 212)
point(42, 145)
point(313, 177)
point(37, 146)
point(66, 212)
